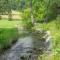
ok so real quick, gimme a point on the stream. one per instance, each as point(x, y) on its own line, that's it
point(22, 49)
point(18, 49)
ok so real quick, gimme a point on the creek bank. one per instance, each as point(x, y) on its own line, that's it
point(2, 50)
point(42, 39)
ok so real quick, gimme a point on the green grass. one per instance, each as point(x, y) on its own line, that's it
point(9, 24)
point(7, 36)
point(54, 28)
point(8, 32)
point(49, 57)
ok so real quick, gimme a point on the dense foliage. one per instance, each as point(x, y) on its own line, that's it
point(40, 9)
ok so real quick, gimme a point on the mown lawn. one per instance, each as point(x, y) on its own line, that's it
point(9, 24)
point(54, 28)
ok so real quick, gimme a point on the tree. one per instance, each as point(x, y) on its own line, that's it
point(6, 7)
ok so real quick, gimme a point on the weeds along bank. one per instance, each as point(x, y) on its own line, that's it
point(54, 28)
point(7, 37)
point(8, 33)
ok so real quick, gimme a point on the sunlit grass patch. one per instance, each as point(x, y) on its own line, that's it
point(9, 24)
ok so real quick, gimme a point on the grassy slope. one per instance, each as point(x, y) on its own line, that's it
point(7, 35)
point(8, 32)
point(49, 57)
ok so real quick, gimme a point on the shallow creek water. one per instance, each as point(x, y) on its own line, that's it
point(20, 48)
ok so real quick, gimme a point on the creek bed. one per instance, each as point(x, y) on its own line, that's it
point(26, 48)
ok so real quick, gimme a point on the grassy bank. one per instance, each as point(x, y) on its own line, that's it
point(8, 33)
point(7, 36)
point(54, 28)
point(49, 57)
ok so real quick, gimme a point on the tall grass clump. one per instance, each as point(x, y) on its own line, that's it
point(7, 37)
